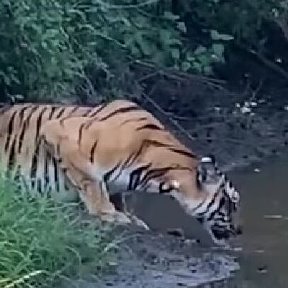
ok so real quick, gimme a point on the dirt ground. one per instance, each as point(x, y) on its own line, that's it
point(239, 128)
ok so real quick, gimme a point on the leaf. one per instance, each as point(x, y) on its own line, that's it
point(143, 44)
point(207, 70)
point(200, 50)
point(218, 49)
point(170, 16)
point(167, 38)
point(204, 60)
point(182, 27)
point(185, 65)
point(175, 53)
point(215, 35)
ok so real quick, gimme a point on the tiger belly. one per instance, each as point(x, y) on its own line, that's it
point(126, 181)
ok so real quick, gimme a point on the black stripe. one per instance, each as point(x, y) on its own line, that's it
point(38, 185)
point(22, 136)
point(72, 111)
point(80, 133)
point(135, 175)
point(60, 113)
point(133, 156)
point(31, 113)
point(57, 150)
point(149, 126)
point(86, 113)
point(34, 164)
point(209, 205)
point(47, 158)
point(10, 130)
point(153, 173)
point(108, 174)
point(91, 121)
point(63, 120)
point(56, 176)
point(92, 151)
point(69, 115)
point(221, 204)
point(164, 191)
point(53, 110)
point(157, 143)
point(12, 154)
point(39, 122)
point(21, 113)
point(17, 175)
point(134, 120)
point(183, 152)
point(99, 109)
point(24, 128)
point(120, 111)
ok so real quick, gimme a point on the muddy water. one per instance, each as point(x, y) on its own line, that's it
point(264, 258)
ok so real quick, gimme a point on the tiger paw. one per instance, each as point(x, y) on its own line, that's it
point(116, 217)
point(139, 222)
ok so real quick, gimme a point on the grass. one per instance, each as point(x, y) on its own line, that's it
point(42, 242)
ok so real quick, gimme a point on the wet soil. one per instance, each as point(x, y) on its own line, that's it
point(241, 130)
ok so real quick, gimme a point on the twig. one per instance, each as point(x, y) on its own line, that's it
point(178, 75)
point(256, 91)
point(282, 23)
point(127, 6)
point(148, 76)
point(176, 117)
point(174, 122)
point(268, 63)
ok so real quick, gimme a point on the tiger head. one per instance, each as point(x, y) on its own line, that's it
point(217, 215)
point(215, 203)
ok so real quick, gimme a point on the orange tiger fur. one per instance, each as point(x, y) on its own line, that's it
point(112, 148)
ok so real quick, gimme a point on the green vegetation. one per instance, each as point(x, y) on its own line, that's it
point(43, 242)
point(52, 50)
point(82, 50)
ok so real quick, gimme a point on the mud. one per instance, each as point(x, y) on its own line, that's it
point(155, 260)
point(240, 129)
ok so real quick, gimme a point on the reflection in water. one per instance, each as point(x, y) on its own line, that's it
point(264, 258)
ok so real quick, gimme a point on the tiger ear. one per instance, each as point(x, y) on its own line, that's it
point(207, 171)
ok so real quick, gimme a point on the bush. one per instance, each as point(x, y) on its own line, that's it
point(60, 50)
point(43, 242)
point(52, 49)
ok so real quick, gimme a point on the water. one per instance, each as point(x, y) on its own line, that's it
point(264, 259)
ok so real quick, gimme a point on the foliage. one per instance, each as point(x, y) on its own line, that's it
point(51, 47)
point(60, 50)
point(246, 21)
point(43, 241)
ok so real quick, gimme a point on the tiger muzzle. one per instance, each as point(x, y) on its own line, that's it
point(221, 233)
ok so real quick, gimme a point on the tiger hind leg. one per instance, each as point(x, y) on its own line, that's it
point(92, 192)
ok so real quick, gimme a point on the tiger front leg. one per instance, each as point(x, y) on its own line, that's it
point(119, 201)
point(78, 171)
point(94, 194)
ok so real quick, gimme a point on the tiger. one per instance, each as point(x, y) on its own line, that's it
point(92, 153)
